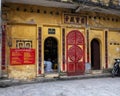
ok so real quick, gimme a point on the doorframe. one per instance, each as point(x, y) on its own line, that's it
point(58, 50)
point(100, 50)
point(75, 73)
point(44, 35)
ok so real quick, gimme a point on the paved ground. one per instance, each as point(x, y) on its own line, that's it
point(85, 87)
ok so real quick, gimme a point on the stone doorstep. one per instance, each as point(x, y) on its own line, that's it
point(96, 71)
point(86, 76)
point(52, 75)
point(9, 82)
point(5, 83)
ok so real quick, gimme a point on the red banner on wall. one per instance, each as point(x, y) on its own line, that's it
point(22, 56)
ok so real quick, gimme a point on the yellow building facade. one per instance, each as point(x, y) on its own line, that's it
point(75, 42)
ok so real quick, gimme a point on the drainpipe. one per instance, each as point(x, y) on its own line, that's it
point(0, 39)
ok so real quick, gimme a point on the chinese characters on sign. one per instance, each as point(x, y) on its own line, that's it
point(75, 19)
point(22, 56)
point(51, 31)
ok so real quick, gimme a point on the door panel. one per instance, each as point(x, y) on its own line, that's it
point(79, 67)
point(71, 38)
point(71, 67)
point(75, 53)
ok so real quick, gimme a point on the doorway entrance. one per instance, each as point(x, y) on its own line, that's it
point(75, 53)
point(51, 53)
point(95, 54)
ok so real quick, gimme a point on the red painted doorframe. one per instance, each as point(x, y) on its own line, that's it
point(75, 53)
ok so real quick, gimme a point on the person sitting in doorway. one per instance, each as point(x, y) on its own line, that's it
point(48, 65)
point(44, 65)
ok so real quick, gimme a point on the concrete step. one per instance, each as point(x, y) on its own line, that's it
point(85, 76)
point(51, 77)
point(96, 71)
point(5, 82)
point(63, 74)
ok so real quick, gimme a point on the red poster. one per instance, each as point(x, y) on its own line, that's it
point(22, 56)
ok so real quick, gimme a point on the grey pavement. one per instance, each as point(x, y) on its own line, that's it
point(5, 81)
point(81, 87)
point(11, 82)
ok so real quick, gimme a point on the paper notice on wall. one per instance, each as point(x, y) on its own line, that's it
point(22, 56)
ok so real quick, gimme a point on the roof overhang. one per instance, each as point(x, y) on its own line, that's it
point(97, 9)
point(48, 3)
point(71, 5)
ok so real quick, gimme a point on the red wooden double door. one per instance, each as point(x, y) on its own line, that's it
point(75, 53)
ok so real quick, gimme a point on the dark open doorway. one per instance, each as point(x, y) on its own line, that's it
point(51, 52)
point(95, 54)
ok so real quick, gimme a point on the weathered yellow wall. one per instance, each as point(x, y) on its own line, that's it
point(104, 20)
point(113, 46)
point(99, 35)
point(21, 32)
point(46, 16)
point(49, 16)
point(24, 25)
point(57, 36)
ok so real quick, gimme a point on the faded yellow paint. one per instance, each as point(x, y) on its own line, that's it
point(23, 72)
point(103, 20)
point(99, 35)
point(46, 16)
point(113, 46)
point(22, 32)
point(24, 26)
point(58, 37)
